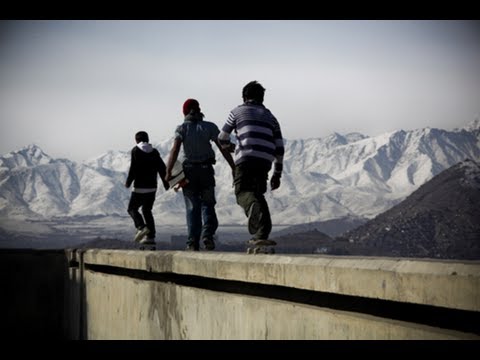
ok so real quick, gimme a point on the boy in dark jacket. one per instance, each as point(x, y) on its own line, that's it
point(145, 164)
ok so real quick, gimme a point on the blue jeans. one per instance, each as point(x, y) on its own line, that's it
point(200, 203)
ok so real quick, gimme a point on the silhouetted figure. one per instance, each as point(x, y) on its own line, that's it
point(145, 164)
point(259, 143)
point(199, 193)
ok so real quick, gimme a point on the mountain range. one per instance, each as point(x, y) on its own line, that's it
point(339, 176)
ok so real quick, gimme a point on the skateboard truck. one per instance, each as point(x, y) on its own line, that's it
point(261, 246)
point(148, 246)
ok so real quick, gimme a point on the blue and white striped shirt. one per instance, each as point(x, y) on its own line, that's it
point(258, 134)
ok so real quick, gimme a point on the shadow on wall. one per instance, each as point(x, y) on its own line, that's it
point(33, 293)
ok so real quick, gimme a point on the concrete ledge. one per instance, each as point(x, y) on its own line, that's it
point(124, 308)
point(441, 283)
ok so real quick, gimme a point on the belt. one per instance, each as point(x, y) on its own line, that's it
point(191, 163)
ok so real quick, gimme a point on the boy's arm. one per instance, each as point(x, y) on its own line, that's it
point(131, 172)
point(173, 157)
point(226, 154)
point(279, 152)
point(162, 171)
point(224, 136)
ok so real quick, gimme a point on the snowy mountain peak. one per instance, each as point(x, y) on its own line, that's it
point(472, 126)
point(354, 137)
point(335, 139)
point(324, 178)
point(111, 160)
point(28, 156)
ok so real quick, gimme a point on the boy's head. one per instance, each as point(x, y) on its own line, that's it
point(141, 136)
point(190, 105)
point(253, 91)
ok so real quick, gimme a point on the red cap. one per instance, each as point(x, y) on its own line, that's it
point(190, 104)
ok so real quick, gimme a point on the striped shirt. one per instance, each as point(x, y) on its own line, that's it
point(258, 135)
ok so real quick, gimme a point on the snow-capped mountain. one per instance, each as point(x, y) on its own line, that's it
point(324, 178)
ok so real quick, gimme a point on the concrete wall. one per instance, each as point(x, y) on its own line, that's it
point(118, 294)
point(32, 295)
point(182, 295)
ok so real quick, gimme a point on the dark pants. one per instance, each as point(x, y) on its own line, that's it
point(145, 201)
point(250, 185)
point(200, 202)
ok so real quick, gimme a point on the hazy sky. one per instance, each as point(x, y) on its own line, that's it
point(80, 88)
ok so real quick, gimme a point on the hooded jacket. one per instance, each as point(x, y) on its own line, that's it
point(145, 164)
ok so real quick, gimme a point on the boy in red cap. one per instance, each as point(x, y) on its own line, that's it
point(195, 134)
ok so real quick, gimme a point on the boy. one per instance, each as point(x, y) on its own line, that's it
point(260, 143)
point(196, 136)
point(145, 164)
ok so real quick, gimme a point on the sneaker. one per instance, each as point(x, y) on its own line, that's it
point(191, 247)
point(148, 241)
point(254, 214)
point(141, 233)
point(209, 244)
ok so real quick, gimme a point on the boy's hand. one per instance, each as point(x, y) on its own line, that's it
point(275, 182)
point(166, 185)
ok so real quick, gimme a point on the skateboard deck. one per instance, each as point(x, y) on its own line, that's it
point(261, 247)
point(178, 179)
point(147, 246)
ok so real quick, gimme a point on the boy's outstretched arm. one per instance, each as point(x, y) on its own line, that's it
point(162, 171)
point(131, 172)
point(226, 154)
point(172, 158)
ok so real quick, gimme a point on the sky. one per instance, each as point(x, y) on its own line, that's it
point(79, 88)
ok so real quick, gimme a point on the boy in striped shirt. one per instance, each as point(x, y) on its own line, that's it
point(259, 144)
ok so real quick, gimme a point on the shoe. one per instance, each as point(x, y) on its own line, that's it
point(254, 214)
point(148, 241)
point(209, 244)
point(191, 247)
point(141, 233)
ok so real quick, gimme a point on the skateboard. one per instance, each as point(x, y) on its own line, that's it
point(178, 179)
point(148, 246)
point(261, 247)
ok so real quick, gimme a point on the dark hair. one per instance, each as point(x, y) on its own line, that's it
point(253, 91)
point(141, 136)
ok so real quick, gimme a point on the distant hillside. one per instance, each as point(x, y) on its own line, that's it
point(333, 228)
point(439, 220)
point(308, 242)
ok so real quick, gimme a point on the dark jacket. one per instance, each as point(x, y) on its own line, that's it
point(144, 167)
